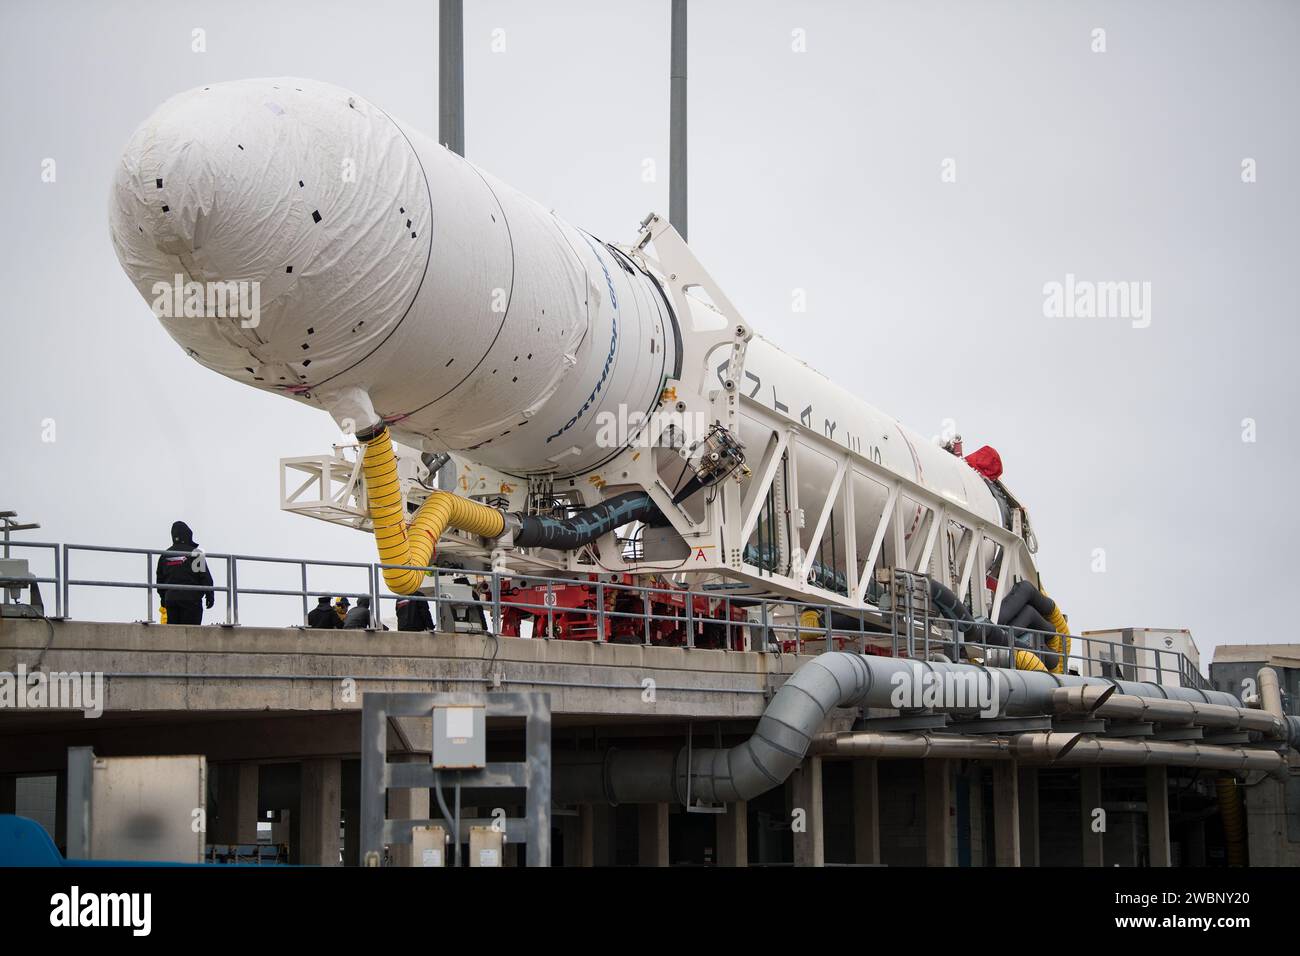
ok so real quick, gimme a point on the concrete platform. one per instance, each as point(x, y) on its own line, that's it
point(272, 693)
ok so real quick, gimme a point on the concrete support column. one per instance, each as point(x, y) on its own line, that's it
point(321, 809)
point(1158, 816)
point(585, 853)
point(733, 835)
point(1089, 801)
point(866, 811)
point(1006, 811)
point(652, 845)
point(601, 818)
point(806, 796)
point(236, 821)
point(409, 804)
point(938, 815)
point(1029, 816)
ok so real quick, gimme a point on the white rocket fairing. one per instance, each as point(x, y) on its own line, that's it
point(471, 316)
point(399, 281)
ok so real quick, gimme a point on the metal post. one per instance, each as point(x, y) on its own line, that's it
point(690, 618)
point(148, 579)
point(303, 566)
point(67, 573)
point(58, 583)
point(437, 601)
point(232, 583)
point(550, 611)
point(451, 75)
point(600, 612)
point(374, 597)
point(677, 121)
point(230, 593)
point(496, 603)
point(645, 604)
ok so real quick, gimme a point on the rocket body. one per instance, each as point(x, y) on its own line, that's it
point(469, 318)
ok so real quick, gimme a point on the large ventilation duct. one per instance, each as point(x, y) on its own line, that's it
point(792, 720)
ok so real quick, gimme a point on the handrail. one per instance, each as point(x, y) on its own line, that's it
point(776, 621)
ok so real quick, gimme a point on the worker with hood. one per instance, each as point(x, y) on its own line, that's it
point(323, 616)
point(341, 609)
point(359, 616)
point(183, 564)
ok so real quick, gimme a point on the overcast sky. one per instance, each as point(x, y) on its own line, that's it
point(820, 135)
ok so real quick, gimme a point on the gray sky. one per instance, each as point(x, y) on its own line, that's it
point(817, 170)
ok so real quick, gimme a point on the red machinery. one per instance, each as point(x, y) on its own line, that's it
point(570, 611)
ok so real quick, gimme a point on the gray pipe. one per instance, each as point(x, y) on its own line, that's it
point(797, 712)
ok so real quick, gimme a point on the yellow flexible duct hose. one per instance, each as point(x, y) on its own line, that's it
point(415, 543)
point(1059, 645)
point(1029, 661)
point(1234, 830)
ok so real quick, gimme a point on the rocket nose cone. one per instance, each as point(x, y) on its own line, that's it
point(206, 183)
point(247, 215)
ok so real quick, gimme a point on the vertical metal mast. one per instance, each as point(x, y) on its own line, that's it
point(451, 75)
point(677, 122)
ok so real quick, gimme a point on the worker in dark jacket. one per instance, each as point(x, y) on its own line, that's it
point(188, 567)
point(323, 616)
point(359, 616)
point(413, 615)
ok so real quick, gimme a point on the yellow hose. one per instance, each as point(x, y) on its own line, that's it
point(1059, 645)
point(1029, 661)
point(415, 542)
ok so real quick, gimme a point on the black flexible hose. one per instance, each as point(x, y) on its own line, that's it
point(566, 534)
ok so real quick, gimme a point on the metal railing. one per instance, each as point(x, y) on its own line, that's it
point(621, 612)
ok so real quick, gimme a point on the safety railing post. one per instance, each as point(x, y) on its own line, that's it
point(374, 597)
point(67, 573)
point(437, 600)
point(690, 617)
point(302, 566)
point(645, 604)
point(600, 612)
point(232, 582)
point(550, 611)
point(58, 582)
point(764, 625)
point(148, 579)
point(496, 603)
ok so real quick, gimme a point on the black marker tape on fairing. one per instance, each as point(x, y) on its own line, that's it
point(613, 346)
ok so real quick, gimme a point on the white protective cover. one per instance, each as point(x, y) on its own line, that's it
point(473, 318)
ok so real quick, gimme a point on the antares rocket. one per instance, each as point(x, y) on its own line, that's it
point(411, 294)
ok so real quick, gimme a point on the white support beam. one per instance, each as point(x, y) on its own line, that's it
point(824, 518)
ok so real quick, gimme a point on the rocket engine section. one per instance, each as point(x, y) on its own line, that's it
point(393, 279)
